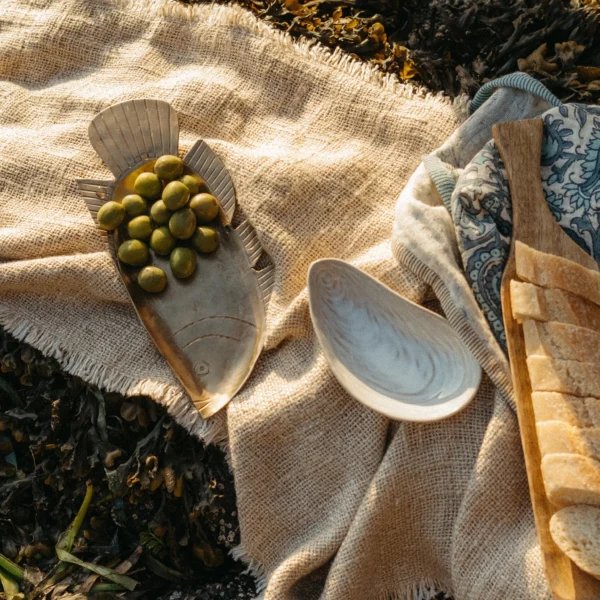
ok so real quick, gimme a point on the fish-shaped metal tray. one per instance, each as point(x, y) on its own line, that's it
point(210, 327)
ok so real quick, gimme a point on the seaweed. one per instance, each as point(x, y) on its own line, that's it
point(454, 46)
point(151, 491)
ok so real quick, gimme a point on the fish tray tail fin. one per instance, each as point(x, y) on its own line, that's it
point(250, 240)
point(95, 194)
point(132, 132)
point(266, 281)
point(208, 165)
point(209, 408)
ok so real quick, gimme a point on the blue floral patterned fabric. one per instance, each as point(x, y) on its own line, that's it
point(481, 206)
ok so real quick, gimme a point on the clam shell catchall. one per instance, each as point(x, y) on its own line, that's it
point(391, 354)
point(210, 327)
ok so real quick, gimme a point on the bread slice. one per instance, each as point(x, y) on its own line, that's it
point(571, 479)
point(556, 437)
point(565, 376)
point(532, 302)
point(550, 271)
point(561, 340)
point(576, 531)
point(527, 301)
point(552, 406)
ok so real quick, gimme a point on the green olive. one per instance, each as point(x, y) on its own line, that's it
point(162, 241)
point(205, 207)
point(152, 279)
point(110, 215)
point(182, 224)
point(206, 239)
point(175, 195)
point(183, 262)
point(192, 183)
point(160, 213)
point(168, 167)
point(148, 185)
point(133, 252)
point(140, 228)
point(134, 205)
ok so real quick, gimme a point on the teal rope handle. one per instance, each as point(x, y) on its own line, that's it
point(519, 81)
point(441, 177)
point(439, 174)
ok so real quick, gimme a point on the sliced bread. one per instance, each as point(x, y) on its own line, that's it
point(576, 531)
point(565, 376)
point(532, 302)
point(556, 437)
point(553, 406)
point(561, 340)
point(571, 479)
point(550, 271)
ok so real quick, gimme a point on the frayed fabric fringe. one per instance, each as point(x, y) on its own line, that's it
point(254, 568)
point(177, 404)
point(499, 374)
point(461, 105)
point(233, 14)
point(426, 589)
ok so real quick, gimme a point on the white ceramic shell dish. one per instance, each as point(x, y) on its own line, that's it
point(392, 355)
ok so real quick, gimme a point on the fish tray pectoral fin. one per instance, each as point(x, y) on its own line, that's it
point(96, 193)
point(266, 281)
point(249, 238)
point(209, 166)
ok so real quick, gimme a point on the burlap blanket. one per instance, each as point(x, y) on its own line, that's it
point(334, 500)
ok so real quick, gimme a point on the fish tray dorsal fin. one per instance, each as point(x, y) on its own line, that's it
point(208, 165)
point(266, 281)
point(96, 193)
point(252, 245)
point(128, 133)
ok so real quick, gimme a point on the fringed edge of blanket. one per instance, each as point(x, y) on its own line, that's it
point(426, 589)
point(253, 567)
point(233, 14)
point(176, 403)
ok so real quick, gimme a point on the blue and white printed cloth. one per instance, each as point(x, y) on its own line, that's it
point(481, 206)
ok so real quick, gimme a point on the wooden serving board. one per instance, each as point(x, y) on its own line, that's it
point(520, 144)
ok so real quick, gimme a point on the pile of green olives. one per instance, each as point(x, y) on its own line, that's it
point(169, 214)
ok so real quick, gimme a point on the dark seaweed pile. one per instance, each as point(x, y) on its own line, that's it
point(159, 494)
point(456, 45)
point(163, 506)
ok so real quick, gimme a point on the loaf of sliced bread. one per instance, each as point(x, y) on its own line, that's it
point(576, 531)
point(571, 479)
point(550, 271)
